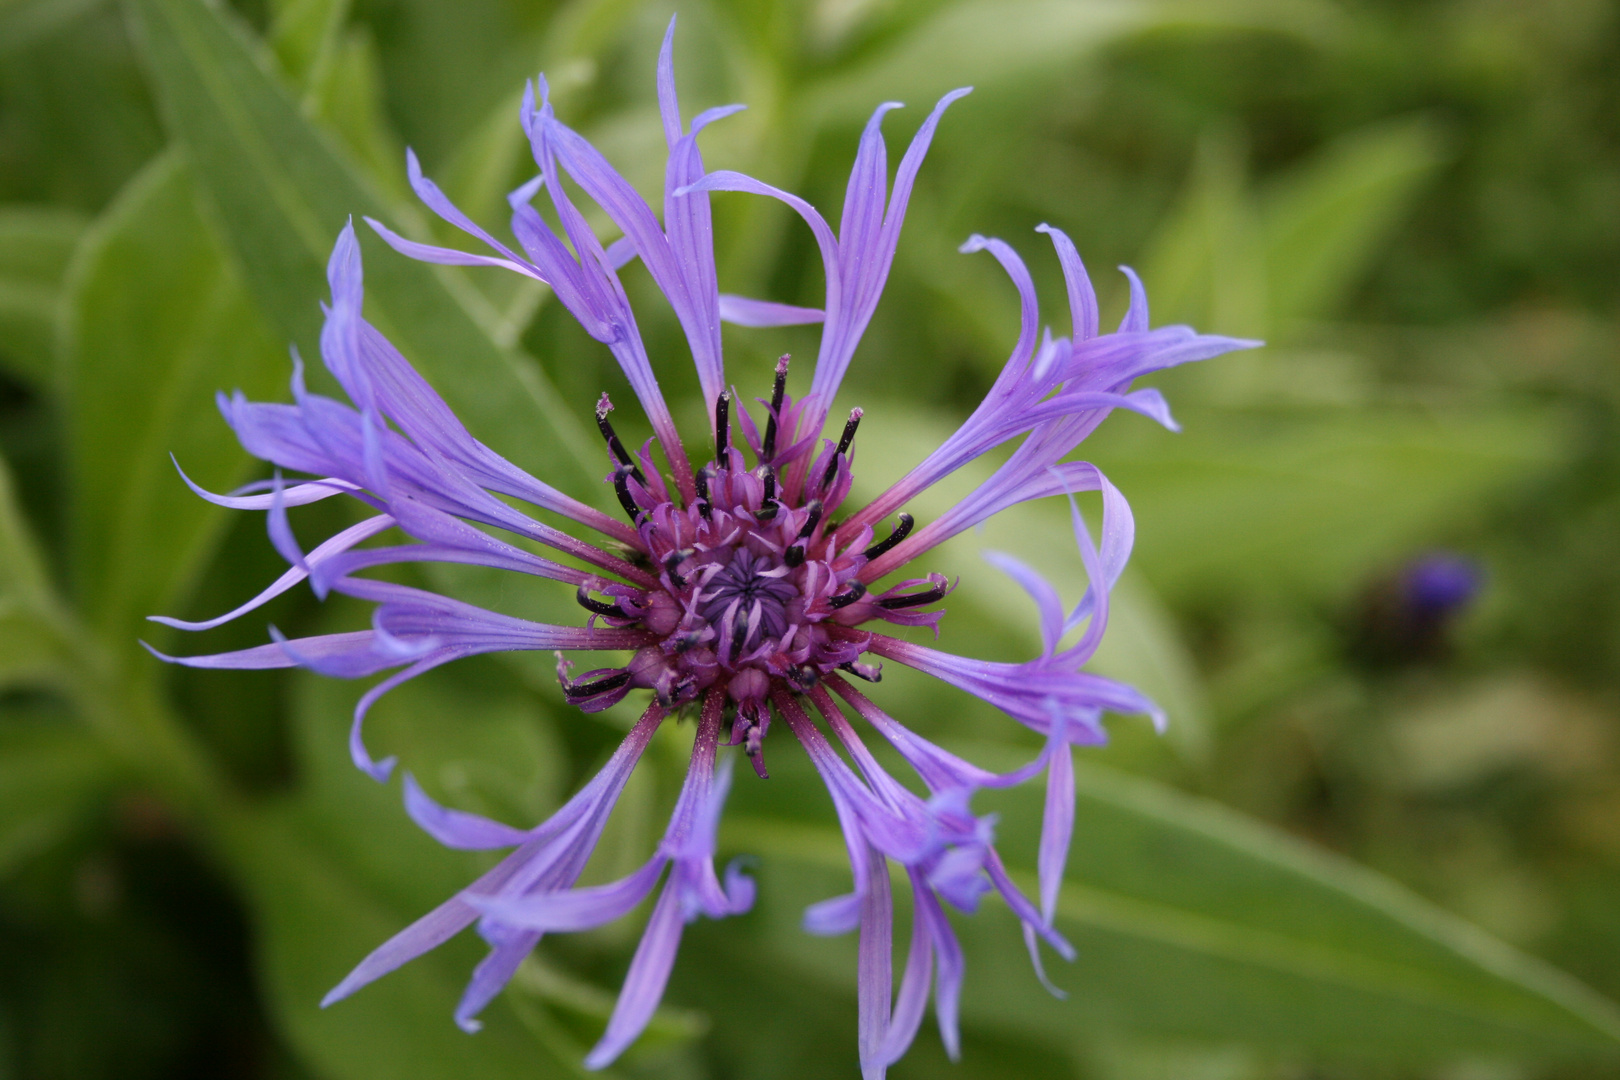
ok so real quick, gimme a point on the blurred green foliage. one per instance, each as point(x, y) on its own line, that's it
point(1351, 857)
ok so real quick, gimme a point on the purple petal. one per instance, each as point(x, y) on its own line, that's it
point(1057, 827)
point(333, 547)
point(356, 647)
point(874, 968)
point(556, 851)
point(575, 909)
point(833, 916)
point(491, 976)
point(457, 828)
point(1082, 296)
point(864, 252)
point(910, 1003)
point(644, 985)
point(1135, 320)
point(741, 311)
point(1040, 590)
point(298, 495)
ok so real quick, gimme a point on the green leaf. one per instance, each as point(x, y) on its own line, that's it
point(1205, 264)
point(34, 628)
point(1193, 922)
point(51, 774)
point(985, 42)
point(156, 321)
point(974, 44)
point(315, 918)
point(282, 193)
point(1325, 223)
point(1310, 500)
point(305, 35)
point(36, 243)
point(23, 22)
point(338, 868)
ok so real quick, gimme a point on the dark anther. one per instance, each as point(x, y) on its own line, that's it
point(916, 599)
point(600, 686)
point(739, 634)
point(767, 447)
point(615, 447)
point(767, 504)
point(803, 677)
point(843, 600)
point(794, 556)
point(672, 563)
point(722, 425)
point(702, 480)
point(599, 606)
point(901, 531)
point(870, 672)
point(844, 442)
point(812, 519)
point(621, 488)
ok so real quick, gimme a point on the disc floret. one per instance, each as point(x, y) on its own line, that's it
point(757, 587)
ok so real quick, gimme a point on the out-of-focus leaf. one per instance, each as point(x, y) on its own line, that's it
point(34, 627)
point(1310, 500)
point(347, 95)
point(23, 22)
point(283, 192)
point(1231, 260)
point(36, 243)
point(1325, 223)
point(973, 44)
point(305, 34)
point(50, 774)
point(337, 869)
point(1214, 226)
point(24, 580)
point(156, 321)
point(315, 918)
point(983, 42)
point(591, 1006)
point(1191, 921)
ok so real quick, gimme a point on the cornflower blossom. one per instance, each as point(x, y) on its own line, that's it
point(739, 587)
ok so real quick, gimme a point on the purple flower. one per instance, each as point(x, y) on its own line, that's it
point(750, 595)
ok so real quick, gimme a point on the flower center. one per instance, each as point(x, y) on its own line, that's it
point(757, 590)
point(751, 593)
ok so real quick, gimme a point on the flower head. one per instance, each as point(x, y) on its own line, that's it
point(740, 584)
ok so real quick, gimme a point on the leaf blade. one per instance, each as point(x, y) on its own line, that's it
point(282, 191)
point(1194, 922)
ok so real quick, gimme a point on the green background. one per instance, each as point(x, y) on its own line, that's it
point(1355, 853)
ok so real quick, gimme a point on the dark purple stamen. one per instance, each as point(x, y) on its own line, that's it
point(599, 606)
point(702, 481)
point(794, 556)
point(767, 506)
point(584, 689)
point(872, 673)
point(672, 563)
point(843, 600)
point(812, 519)
point(722, 426)
point(916, 599)
point(844, 442)
point(803, 677)
point(615, 447)
point(901, 531)
point(767, 448)
point(621, 488)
